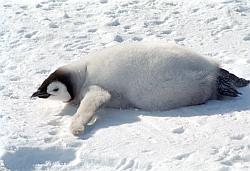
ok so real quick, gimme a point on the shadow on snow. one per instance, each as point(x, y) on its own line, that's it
point(114, 117)
point(25, 158)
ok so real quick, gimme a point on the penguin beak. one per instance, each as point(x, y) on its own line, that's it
point(40, 94)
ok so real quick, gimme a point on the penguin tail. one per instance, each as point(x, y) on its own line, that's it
point(228, 82)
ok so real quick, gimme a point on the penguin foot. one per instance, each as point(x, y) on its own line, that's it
point(77, 125)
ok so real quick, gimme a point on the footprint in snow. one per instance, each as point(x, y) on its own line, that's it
point(222, 29)
point(155, 22)
point(92, 30)
point(15, 78)
point(39, 6)
point(53, 132)
point(50, 139)
point(24, 7)
point(29, 35)
point(247, 37)
point(12, 67)
point(53, 25)
point(124, 164)
point(137, 38)
point(166, 32)
point(227, 1)
point(21, 31)
point(170, 4)
point(175, 12)
point(65, 16)
point(242, 9)
point(178, 130)
point(113, 23)
point(130, 164)
point(214, 151)
point(1, 87)
point(80, 47)
point(7, 5)
point(179, 39)
point(237, 159)
point(209, 20)
point(103, 1)
point(127, 27)
point(19, 12)
point(237, 137)
point(224, 168)
point(118, 38)
point(14, 42)
point(195, 10)
point(182, 156)
point(78, 23)
point(42, 71)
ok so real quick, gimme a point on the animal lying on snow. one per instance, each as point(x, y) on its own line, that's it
point(148, 76)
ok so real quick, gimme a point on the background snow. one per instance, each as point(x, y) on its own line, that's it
point(38, 36)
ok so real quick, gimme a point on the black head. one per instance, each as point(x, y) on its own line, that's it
point(57, 86)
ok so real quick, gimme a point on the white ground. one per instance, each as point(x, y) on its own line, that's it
point(37, 37)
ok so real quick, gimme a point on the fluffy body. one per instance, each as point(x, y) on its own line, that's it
point(148, 76)
point(155, 76)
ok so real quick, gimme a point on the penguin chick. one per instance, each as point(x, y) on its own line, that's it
point(147, 76)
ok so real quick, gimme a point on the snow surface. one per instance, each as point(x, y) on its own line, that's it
point(36, 37)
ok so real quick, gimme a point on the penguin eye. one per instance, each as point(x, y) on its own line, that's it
point(55, 89)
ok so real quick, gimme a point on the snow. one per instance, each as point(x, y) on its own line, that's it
point(36, 37)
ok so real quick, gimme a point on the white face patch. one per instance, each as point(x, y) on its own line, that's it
point(58, 91)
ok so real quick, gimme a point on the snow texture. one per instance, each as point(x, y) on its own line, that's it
point(36, 37)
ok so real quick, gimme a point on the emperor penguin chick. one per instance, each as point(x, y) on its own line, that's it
point(147, 76)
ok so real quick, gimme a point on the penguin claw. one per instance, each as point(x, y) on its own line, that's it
point(92, 120)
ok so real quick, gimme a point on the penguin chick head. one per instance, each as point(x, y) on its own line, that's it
point(58, 86)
